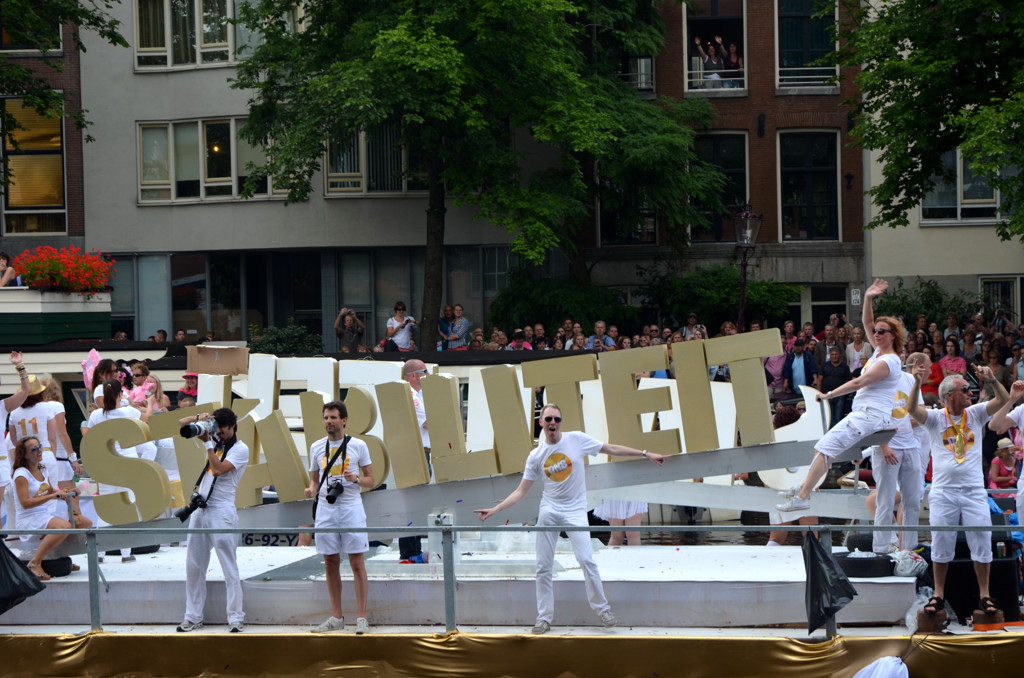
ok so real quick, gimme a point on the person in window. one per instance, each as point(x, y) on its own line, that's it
point(8, 276)
point(712, 63)
point(733, 63)
point(400, 327)
point(444, 324)
point(349, 329)
point(458, 329)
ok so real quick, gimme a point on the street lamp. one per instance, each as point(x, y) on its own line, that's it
point(747, 225)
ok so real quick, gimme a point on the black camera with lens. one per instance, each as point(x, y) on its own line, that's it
point(334, 490)
point(196, 502)
point(198, 428)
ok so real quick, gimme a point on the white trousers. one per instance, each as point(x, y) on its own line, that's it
point(584, 556)
point(905, 476)
point(198, 561)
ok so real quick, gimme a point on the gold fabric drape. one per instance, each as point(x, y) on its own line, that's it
point(494, 655)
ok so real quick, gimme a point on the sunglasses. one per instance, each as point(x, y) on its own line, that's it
point(399, 308)
point(879, 330)
point(137, 375)
point(37, 448)
point(420, 372)
point(964, 389)
point(557, 420)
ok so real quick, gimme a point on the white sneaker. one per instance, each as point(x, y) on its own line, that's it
point(541, 627)
point(186, 626)
point(331, 624)
point(790, 493)
point(794, 504)
point(362, 626)
point(236, 627)
point(608, 619)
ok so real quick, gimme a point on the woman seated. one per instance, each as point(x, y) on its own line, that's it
point(35, 505)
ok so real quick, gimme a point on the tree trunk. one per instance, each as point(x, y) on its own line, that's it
point(433, 268)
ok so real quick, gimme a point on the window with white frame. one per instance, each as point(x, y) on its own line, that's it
point(12, 41)
point(728, 152)
point(34, 201)
point(372, 162)
point(809, 185)
point(709, 20)
point(967, 197)
point(194, 160)
point(1003, 294)
point(189, 33)
point(804, 38)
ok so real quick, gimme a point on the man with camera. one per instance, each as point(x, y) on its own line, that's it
point(339, 467)
point(213, 506)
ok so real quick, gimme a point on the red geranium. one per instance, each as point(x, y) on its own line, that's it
point(69, 269)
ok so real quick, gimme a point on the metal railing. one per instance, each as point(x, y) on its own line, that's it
point(448, 540)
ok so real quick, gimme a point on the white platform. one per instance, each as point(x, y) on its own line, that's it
point(648, 586)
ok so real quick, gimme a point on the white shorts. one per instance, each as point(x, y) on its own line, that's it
point(857, 425)
point(34, 521)
point(328, 544)
point(619, 510)
point(946, 506)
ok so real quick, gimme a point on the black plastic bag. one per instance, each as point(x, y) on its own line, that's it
point(16, 581)
point(828, 588)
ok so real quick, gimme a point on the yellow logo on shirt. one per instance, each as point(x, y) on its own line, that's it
point(44, 488)
point(338, 468)
point(899, 405)
point(558, 467)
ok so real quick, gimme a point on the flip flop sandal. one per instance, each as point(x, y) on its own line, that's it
point(37, 570)
point(936, 603)
point(988, 606)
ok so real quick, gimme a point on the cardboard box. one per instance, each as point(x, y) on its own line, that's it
point(206, 359)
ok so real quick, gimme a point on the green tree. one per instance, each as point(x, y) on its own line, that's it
point(292, 339)
point(547, 301)
point(471, 83)
point(927, 297)
point(934, 78)
point(35, 26)
point(713, 293)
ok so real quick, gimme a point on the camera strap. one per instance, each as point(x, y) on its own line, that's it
point(327, 469)
point(206, 468)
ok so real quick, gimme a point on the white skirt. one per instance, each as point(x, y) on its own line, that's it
point(619, 510)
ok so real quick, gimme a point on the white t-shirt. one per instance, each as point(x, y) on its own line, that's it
point(5, 449)
point(879, 395)
point(561, 467)
point(403, 333)
point(421, 415)
point(97, 396)
point(357, 455)
point(126, 412)
point(905, 439)
point(55, 409)
point(35, 489)
point(31, 421)
point(946, 472)
point(223, 495)
point(1016, 415)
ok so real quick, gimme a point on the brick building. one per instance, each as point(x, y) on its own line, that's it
point(45, 204)
point(781, 137)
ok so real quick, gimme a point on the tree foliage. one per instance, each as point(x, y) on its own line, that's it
point(292, 339)
point(511, 107)
point(925, 296)
point(35, 26)
point(934, 78)
point(547, 301)
point(713, 293)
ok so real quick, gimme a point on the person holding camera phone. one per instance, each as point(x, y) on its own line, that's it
point(212, 506)
point(339, 467)
point(399, 328)
point(349, 329)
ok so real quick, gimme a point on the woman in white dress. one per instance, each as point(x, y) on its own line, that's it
point(36, 505)
point(111, 408)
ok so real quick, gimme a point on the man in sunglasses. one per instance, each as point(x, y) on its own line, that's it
point(558, 461)
point(958, 485)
